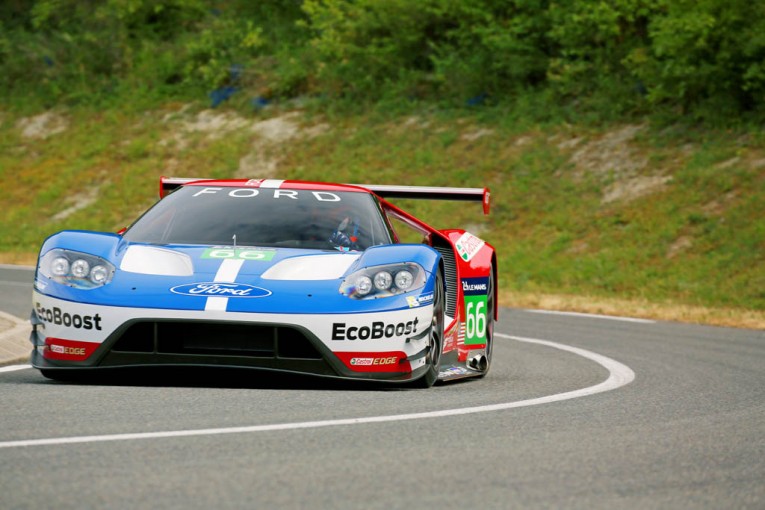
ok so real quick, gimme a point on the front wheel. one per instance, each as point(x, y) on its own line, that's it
point(435, 338)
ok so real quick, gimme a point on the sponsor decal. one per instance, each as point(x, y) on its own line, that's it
point(376, 362)
point(226, 290)
point(450, 339)
point(60, 349)
point(453, 371)
point(60, 317)
point(227, 252)
point(70, 350)
point(475, 286)
point(391, 360)
point(421, 300)
point(377, 330)
point(476, 301)
point(468, 245)
point(321, 196)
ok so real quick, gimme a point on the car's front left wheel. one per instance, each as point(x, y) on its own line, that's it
point(435, 337)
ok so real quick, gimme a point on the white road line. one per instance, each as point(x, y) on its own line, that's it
point(13, 368)
point(593, 316)
point(619, 375)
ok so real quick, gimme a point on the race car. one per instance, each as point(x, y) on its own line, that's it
point(273, 275)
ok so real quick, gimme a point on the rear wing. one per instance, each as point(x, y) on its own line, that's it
point(168, 184)
point(431, 193)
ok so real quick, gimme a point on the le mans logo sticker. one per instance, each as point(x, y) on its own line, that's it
point(468, 245)
point(476, 301)
point(226, 252)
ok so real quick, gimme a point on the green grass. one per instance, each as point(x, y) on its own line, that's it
point(697, 239)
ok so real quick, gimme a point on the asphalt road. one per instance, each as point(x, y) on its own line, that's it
point(688, 432)
point(16, 290)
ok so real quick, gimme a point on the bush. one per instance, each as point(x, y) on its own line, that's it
point(436, 46)
point(708, 54)
point(620, 56)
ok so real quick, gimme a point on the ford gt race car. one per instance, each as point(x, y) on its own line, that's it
point(289, 276)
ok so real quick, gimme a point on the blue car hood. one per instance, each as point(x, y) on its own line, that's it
point(254, 279)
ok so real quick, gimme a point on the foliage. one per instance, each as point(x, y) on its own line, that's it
point(623, 55)
point(706, 51)
point(703, 59)
point(460, 48)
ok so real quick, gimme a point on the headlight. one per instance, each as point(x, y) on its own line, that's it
point(99, 275)
point(404, 279)
point(80, 268)
point(59, 266)
point(76, 269)
point(383, 281)
point(363, 285)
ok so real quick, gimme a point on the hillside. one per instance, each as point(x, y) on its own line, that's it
point(627, 218)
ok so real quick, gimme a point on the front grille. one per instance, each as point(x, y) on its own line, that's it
point(450, 273)
point(216, 339)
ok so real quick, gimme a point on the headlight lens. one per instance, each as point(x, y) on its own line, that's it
point(404, 279)
point(75, 269)
point(363, 285)
point(80, 268)
point(384, 281)
point(59, 266)
point(99, 275)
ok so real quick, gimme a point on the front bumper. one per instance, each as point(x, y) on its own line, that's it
point(387, 346)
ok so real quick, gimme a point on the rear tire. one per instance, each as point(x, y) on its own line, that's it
point(435, 338)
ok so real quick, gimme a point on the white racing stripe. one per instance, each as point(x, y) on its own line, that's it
point(271, 183)
point(227, 273)
point(619, 375)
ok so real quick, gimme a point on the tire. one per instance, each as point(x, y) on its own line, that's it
point(435, 338)
point(491, 304)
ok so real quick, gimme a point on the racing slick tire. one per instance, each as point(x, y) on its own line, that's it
point(435, 338)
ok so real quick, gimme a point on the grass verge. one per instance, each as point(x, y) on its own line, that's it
point(649, 221)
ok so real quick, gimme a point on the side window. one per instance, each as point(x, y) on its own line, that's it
point(406, 233)
point(157, 229)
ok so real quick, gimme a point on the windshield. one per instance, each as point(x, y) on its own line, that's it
point(345, 221)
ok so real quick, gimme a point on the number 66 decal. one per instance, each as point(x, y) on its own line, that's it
point(475, 290)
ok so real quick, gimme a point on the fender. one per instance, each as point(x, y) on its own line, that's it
point(422, 254)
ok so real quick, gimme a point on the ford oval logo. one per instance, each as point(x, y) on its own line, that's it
point(218, 289)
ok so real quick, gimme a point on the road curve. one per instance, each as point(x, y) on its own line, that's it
point(689, 430)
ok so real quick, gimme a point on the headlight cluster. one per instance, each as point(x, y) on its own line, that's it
point(76, 269)
point(383, 281)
